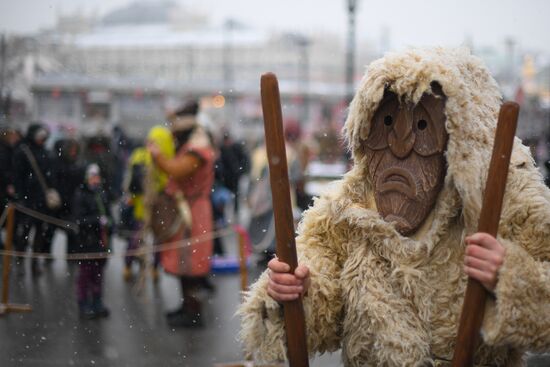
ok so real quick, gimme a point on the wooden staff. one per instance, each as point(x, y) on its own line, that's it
point(282, 211)
point(243, 269)
point(474, 300)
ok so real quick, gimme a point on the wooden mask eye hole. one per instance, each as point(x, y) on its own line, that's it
point(422, 124)
point(388, 120)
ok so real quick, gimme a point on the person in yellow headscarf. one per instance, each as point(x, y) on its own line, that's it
point(143, 182)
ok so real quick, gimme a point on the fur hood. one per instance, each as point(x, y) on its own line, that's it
point(472, 106)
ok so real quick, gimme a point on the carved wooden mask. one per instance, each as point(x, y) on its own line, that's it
point(406, 162)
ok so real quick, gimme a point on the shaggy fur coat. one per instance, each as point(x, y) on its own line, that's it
point(389, 300)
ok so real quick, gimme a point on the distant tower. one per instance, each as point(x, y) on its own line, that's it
point(350, 54)
point(528, 72)
point(510, 57)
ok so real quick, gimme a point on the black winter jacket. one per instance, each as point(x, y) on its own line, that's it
point(88, 206)
point(27, 187)
point(69, 174)
point(6, 172)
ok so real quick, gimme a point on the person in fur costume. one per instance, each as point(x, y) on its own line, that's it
point(385, 283)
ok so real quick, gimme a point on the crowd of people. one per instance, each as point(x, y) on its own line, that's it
point(175, 185)
point(181, 181)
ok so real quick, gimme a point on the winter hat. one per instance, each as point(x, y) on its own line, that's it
point(292, 130)
point(92, 170)
point(163, 138)
point(36, 132)
point(191, 108)
point(184, 118)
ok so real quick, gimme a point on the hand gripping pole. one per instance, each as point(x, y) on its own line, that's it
point(474, 300)
point(282, 212)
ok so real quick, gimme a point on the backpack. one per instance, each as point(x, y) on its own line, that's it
point(137, 178)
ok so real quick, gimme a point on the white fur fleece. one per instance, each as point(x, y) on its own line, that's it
point(389, 300)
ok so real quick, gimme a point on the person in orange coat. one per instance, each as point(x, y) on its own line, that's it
point(191, 174)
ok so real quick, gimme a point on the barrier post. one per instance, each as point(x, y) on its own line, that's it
point(6, 307)
point(242, 261)
point(7, 258)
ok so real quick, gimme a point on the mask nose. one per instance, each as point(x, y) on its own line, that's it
point(401, 138)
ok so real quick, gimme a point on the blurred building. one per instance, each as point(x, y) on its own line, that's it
point(524, 77)
point(530, 93)
point(132, 65)
point(141, 60)
point(21, 61)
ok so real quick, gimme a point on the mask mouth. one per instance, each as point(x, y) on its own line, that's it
point(399, 180)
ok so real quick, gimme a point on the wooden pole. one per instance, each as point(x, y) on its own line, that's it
point(474, 300)
point(10, 220)
point(282, 211)
point(6, 307)
point(242, 259)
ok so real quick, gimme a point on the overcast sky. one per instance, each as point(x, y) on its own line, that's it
point(416, 23)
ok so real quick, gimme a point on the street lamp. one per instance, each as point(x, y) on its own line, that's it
point(3, 112)
point(350, 52)
point(302, 42)
point(229, 27)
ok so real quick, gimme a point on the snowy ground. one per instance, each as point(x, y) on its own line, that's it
point(135, 335)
